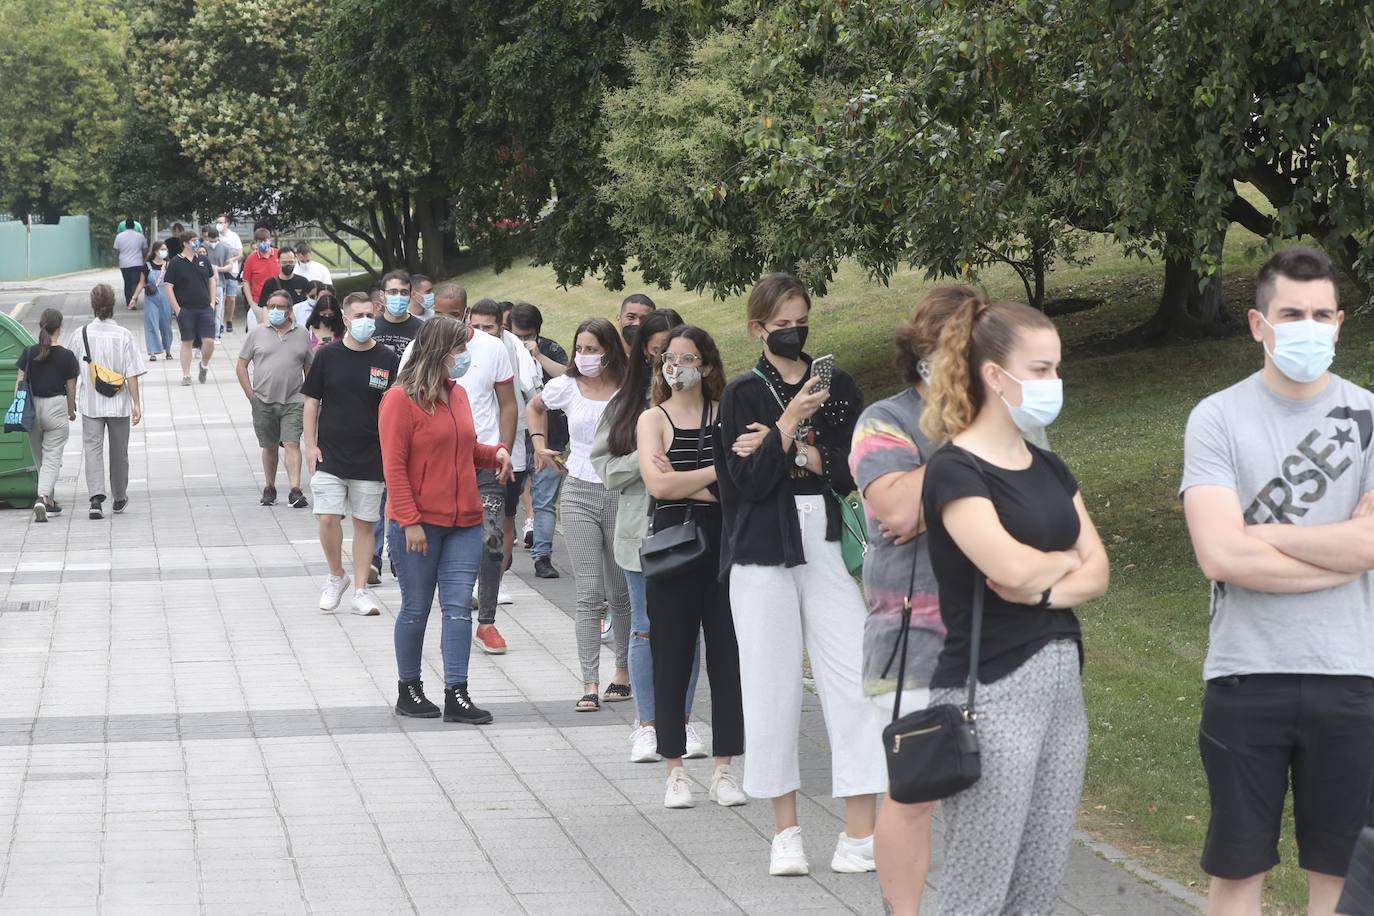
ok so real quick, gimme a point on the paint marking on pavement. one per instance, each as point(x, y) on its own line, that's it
point(19, 309)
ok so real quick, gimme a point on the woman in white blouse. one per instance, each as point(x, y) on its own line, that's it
point(588, 509)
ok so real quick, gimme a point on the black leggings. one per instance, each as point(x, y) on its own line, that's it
point(680, 606)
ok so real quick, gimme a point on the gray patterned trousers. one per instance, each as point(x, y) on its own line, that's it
point(588, 513)
point(1007, 837)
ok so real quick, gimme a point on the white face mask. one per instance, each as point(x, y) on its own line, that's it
point(1303, 350)
point(680, 378)
point(1041, 401)
point(589, 364)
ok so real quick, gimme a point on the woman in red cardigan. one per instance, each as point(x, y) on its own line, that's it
point(429, 449)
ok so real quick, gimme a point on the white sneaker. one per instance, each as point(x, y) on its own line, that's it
point(644, 744)
point(696, 748)
point(787, 856)
point(679, 793)
point(334, 588)
point(40, 511)
point(502, 597)
point(364, 605)
point(853, 857)
point(605, 626)
point(725, 790)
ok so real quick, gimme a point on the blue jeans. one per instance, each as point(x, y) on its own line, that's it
point(544, 487)
point(450, 565)
point(157, 322)
point(642, 660)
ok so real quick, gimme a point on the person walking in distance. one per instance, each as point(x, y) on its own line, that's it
point(675, 444)
point(526, 324)
point(308, 267)
point(259, 266)
point(429, 452)
point(190, 285)
point(279, 354)
point(1009, 535)
point(157, 311)
point(229, 278)
point(132, 247)
point(615, 457)
point(343, 393)
point(107, 396)
point(785, 441)
point(888, 460)
point(1278, 471)
point(589, 509)
point(51, 371)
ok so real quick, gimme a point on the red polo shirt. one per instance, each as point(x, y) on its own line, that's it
point(257, 268)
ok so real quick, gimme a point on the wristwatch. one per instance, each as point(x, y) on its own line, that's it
point(802, 451)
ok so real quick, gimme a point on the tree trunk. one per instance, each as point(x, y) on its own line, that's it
point(1038, 268)
point(1187, 307)
point(431, 239)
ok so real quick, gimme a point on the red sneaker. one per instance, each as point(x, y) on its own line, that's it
point(489, 638)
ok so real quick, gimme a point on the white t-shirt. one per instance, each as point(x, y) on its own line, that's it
point(563, 393)
point(231, 238)
point(490, 367)
point(314, 270)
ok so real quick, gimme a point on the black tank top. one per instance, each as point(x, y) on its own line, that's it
point(686, 453)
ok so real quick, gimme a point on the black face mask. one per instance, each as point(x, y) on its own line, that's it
point(787, 343)
point(631, 333)
point(288, 269)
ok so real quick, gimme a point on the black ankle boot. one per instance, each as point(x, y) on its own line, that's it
point(410, 701)
point(458, 707)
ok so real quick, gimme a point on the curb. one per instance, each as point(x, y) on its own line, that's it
point(1168, 886)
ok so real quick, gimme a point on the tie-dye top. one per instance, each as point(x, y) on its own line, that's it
point(887, 440)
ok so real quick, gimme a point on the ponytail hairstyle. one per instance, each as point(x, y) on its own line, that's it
point(919, 335)
point(425, 377)
point(628, 403)
point(712, 382)
point(975, 333)
point(48, 325)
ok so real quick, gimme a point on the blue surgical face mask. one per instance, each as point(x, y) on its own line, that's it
point(428, 302)
point(1041, 401)
point(461, 364)
point(397, 304)
point(264, 247)
point(276, 317)
point(1303, 350)
point(362, 329)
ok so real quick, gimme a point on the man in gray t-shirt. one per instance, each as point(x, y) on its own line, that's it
point(279, 354)
point(1275, 475)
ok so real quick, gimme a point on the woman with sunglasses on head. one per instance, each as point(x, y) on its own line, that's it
point(785, 442)
point(588, 509)
point(615, 455)
point(430, 454)
point(677, 440)
point(1007, 520)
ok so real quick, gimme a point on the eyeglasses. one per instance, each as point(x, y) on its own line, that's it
point(397, 292)
point(681, 359)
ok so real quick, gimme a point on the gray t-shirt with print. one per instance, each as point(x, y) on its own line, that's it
point(1295, 463)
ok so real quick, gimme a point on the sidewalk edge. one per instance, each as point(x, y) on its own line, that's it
point(1168, 886)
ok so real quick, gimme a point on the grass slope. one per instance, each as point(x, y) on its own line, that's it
point(1122, 433)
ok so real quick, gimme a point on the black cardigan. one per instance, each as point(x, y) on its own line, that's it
point(756, 493)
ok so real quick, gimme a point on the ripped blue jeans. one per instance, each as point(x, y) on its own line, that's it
point(449, 565)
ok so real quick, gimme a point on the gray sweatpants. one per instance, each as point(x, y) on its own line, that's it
point(93, 431)
point(1007, 837)
point(588, 513)
point(47, 439)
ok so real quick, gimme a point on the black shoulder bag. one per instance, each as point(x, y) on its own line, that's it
point(933, 753)
point(674, 550)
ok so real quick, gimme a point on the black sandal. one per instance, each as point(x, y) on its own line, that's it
point(590, 702)
point(616, 693)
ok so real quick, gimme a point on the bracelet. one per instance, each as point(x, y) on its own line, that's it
point(540, 435)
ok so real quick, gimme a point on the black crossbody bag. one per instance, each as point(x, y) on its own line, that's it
point(676, 549)
point(933, 753)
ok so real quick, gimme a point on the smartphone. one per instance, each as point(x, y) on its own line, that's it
point(823, 367)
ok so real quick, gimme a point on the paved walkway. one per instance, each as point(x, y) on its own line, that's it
point(182, 731)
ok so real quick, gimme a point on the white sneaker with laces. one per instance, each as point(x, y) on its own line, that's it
point(696, 748)
point(644, 744)
point(725, 790)
point(502, 597)
point(788, 856)
point(364, 605)
point(334, 588)
point(853, 857)
point(679, 793)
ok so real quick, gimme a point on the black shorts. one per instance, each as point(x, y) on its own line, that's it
point(196, 323)
point(1258, 728)
point(513, 491)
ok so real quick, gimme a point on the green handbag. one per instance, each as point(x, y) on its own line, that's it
point(853, 533)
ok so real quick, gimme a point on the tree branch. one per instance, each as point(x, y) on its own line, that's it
point(1240, 210)
point(334, 237)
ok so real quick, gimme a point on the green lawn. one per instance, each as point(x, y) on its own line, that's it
point(1122, 433)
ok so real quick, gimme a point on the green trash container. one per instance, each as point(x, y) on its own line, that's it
point(18, 473)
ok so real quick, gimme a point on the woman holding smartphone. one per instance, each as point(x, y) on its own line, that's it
point(785, 452)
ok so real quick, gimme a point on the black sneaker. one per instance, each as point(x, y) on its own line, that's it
point(410, 701)
point(543, 568)
point(374, 572)
point(297, 499)
point(269, 496)
point(229, 326)
point(96, 510)
point(119, 504)
point(458, 707)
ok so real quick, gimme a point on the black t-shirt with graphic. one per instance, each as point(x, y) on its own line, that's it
point(296, 286)
point(397, 335)
point(1035, 507)
point(349, 385)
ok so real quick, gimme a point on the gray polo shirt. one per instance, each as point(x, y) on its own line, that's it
point(279, 363)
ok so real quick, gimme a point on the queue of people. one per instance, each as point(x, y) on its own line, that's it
point(704, 512)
